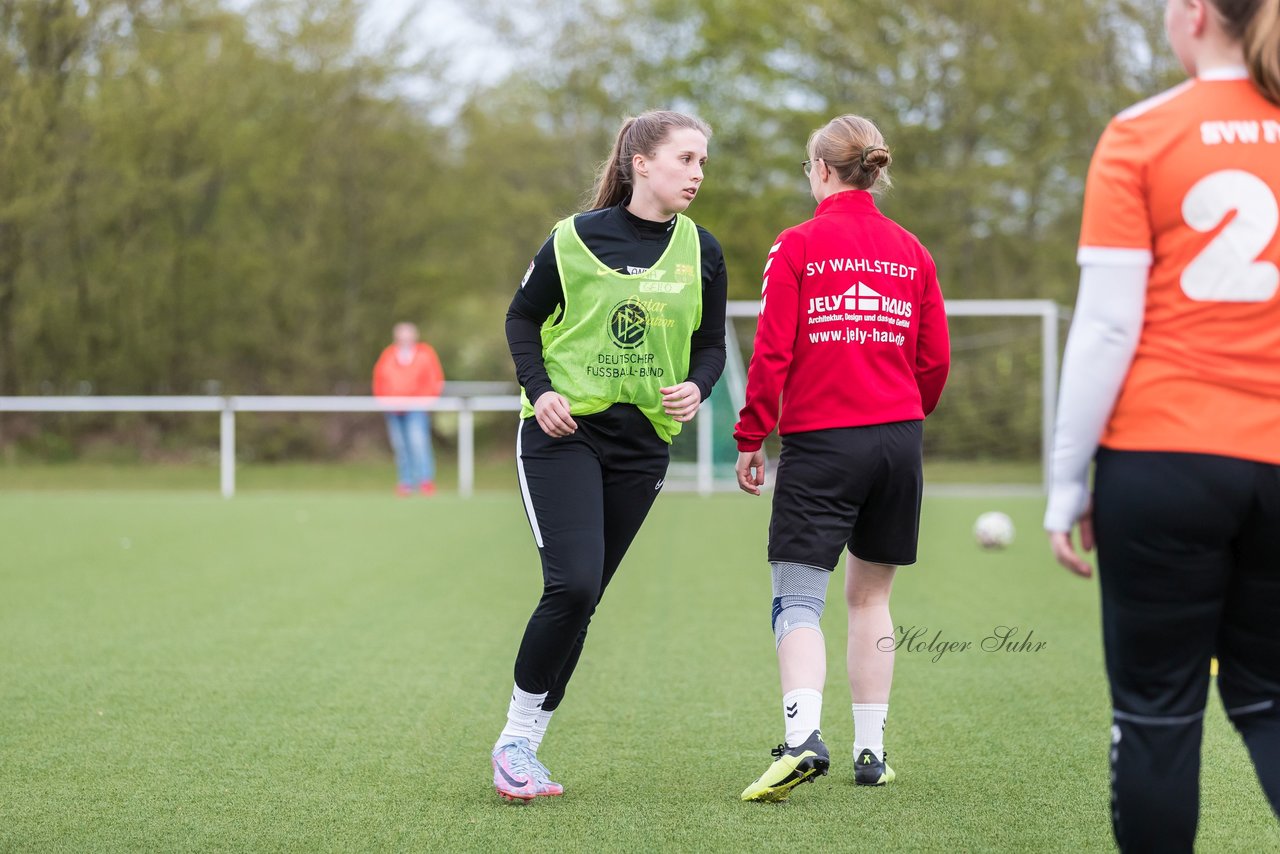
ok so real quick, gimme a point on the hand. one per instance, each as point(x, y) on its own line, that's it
point(1065, 551)
point(681, 402)
point(750, 469)
point(552, 412)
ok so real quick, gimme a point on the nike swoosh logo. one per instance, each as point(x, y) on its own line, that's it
point(519, 784)
point(658, 485)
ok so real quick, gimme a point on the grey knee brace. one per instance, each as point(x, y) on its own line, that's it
point(799, 594)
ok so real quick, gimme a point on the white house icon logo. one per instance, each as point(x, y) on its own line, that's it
point(861, 298)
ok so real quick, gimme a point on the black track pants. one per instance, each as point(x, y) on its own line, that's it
point(586, 496)
point(1189, 564)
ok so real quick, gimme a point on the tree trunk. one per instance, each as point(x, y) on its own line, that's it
point(10, 261)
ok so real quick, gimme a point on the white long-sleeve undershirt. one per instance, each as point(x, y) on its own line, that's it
point(1104, 335)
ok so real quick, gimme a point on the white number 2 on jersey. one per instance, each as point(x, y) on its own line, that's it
point(1228, 269)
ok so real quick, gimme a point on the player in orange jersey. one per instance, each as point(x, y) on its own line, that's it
point(1173, 368)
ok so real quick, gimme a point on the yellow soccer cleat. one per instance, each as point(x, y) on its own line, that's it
point(793, 766)
point(868, 770)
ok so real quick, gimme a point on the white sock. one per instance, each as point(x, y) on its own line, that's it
point(801, 714)
point(868, 727)
point(540, 728)
point(521, 715)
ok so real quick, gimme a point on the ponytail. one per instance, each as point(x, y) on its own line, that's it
point(638, 135)
point(1256, 25)
point(613, 182)
point(1262, 49)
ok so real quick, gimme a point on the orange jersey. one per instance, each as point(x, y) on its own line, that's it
point(1187, 183)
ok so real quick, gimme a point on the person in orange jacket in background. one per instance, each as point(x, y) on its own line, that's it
point(410, 368)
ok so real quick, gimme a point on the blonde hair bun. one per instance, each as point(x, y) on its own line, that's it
point(855, 150)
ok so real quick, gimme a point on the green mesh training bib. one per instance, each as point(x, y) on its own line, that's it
point(620, 338)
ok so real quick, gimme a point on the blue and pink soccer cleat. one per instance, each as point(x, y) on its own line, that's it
point(518, 775)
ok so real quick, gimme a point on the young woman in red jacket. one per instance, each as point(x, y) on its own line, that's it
point(852, 336)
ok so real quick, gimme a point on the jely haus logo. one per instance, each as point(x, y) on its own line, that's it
point(860, 298)
point(1007, 639)
point(628, 323)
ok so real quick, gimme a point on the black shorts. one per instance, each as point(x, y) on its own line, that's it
point(1189, 564)
point(854, 486)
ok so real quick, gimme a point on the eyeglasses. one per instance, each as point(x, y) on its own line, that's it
point(807, 165)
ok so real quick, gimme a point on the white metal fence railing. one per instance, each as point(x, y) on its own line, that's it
point(227, 407)
point(466, 406)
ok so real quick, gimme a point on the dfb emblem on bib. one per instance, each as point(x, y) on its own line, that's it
point(628, 323)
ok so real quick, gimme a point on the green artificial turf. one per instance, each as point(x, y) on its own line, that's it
point(327, 672)
point(493, 473)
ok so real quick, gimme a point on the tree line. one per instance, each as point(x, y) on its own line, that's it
point(200, 195)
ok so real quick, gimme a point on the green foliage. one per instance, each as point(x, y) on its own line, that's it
point(991, 108)
point(213, 195)
point(195, 191)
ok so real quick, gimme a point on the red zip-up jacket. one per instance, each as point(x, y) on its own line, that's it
point(852, 327)
point(421, 377)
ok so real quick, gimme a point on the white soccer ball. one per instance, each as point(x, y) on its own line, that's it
point(993, 530)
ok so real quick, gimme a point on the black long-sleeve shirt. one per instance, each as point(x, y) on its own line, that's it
point(629, 245)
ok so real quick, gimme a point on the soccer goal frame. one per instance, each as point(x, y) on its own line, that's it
point(1050, 313)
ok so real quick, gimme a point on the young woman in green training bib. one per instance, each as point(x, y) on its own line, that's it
point(617, 333)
